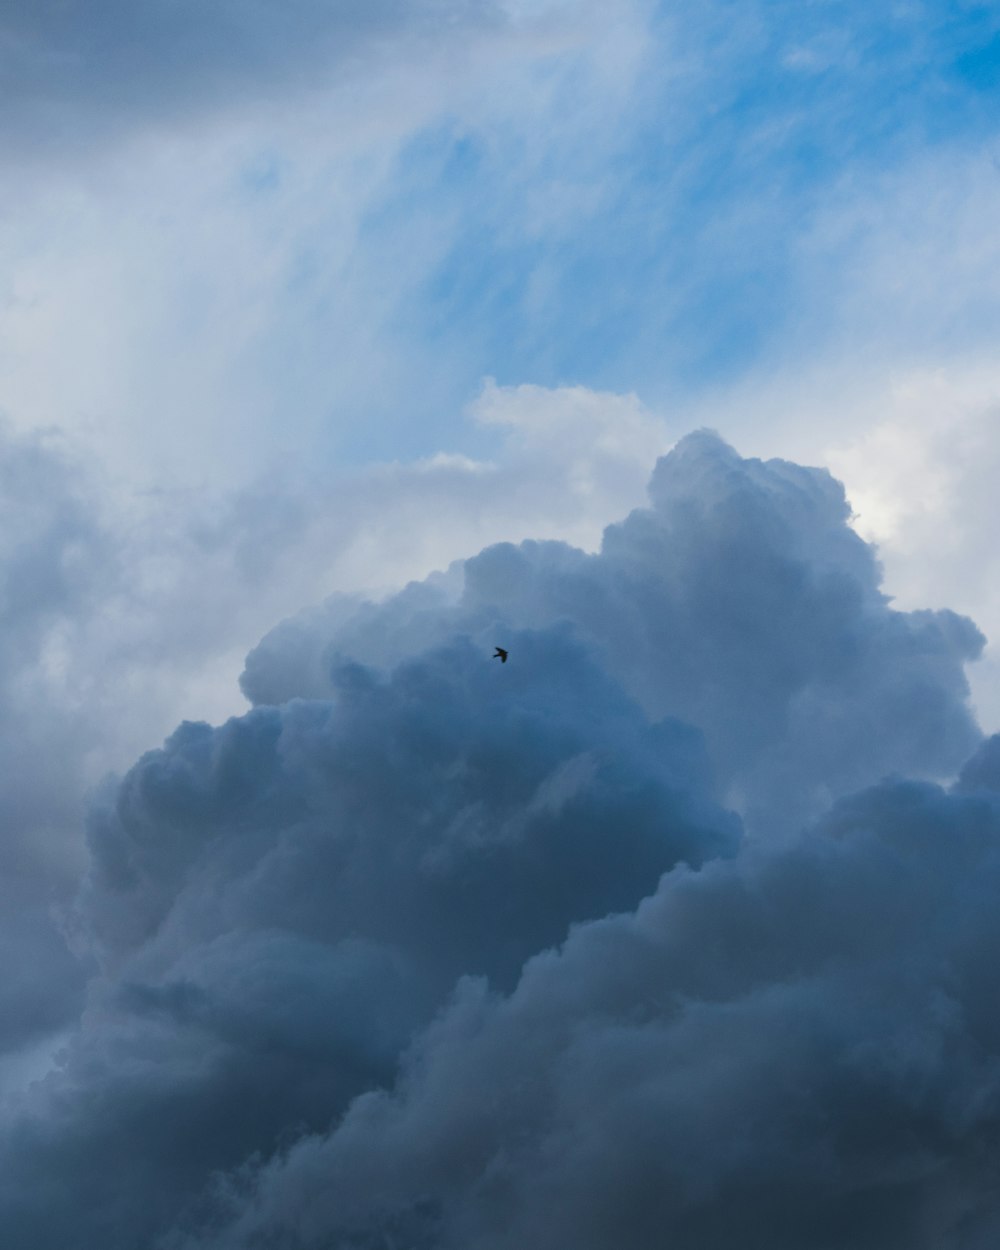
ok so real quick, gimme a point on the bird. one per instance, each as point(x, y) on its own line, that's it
point(501, 655)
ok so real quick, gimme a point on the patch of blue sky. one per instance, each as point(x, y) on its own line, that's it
point(979, 67)
point(696, 232)
point(673, 252)
point(262, 173)
point(665, 257)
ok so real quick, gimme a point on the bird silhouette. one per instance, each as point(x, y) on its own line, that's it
point(501, 655)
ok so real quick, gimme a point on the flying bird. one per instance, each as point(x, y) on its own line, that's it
point(501, 655)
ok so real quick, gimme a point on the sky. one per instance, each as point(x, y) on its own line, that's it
point(340, 342)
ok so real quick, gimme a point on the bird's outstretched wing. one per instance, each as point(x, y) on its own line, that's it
point(501, 655)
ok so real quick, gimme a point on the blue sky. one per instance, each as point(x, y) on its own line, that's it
point(624, 200)
point(677, 254)
point(302, 304)
point(639, 200)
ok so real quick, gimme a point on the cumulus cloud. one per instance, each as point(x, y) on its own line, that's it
point(424, 950)
point(792, 1049)
point(278, 904)
point(237, 223)
point(739, 601)
point(921, 478)
point(123, 614)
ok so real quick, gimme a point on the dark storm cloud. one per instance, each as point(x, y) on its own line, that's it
point(375, 965)
point(739, 601)
point(427, 785)
point(796, 1049)
point(281, 902)
point(73, 70)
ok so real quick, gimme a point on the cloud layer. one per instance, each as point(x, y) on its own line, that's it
point(76, 72)
point(373, 965)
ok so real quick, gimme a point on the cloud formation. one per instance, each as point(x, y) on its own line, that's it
point(428, 951)
point(123, 615)
point(739, 601)
point(279, 903)
point(231, 229)
point(795, 1049)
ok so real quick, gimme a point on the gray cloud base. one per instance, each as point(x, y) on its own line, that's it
point(280, 903)
point(76, 73)
point(375, 964)
point(797, 1048)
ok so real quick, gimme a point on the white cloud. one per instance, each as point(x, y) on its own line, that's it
point(204, 298)
point(922, 479)
point(885, 373)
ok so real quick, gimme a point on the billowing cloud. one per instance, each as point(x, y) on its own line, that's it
point(739, 601)
point(281, 902)
point(921, 474)
point(234, 230)
point(798, 1048)
point(427, 950)
point(122, 615)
